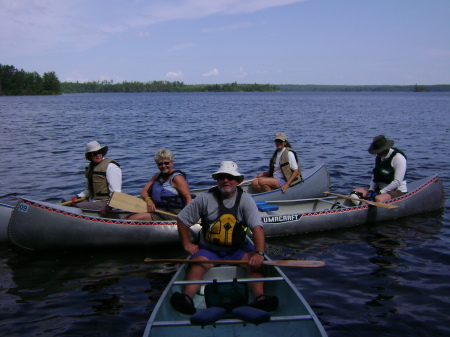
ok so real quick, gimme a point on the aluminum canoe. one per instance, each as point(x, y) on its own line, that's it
point(319, 214)
point(316, 180)
point(294, 316)
point(42, 226)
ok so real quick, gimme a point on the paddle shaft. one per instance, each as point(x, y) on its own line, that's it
point(71, 202)
point(280, 263)
point(247, 181)
point(373, 203)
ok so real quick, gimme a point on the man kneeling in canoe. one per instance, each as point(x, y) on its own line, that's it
point(228, 206)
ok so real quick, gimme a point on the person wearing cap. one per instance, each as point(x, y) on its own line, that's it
point(167, 189)
point(284, 168)
point(103, 177)
point(226, 212)
point(388, 178)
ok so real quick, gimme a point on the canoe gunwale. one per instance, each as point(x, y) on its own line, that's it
point(294, 309)
point(226, 321)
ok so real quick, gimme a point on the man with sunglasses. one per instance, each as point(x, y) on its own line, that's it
point(103, 177)
point(226, 212)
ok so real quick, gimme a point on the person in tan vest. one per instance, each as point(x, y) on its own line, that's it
point(103, 177)
point(284, 169)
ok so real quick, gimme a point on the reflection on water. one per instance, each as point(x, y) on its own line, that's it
point(389, 278)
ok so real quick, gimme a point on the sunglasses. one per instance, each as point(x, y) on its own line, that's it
point(164, 163)
point(93, 154)
point(278, 141)
point(228, 177)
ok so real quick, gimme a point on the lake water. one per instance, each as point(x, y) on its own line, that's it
point(387, 279)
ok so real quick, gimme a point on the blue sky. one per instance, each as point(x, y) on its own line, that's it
point(349, 42)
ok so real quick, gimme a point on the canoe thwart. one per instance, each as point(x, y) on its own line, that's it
point(239, 280)
point(280, 263)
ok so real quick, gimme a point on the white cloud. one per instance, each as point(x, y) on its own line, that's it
point(242, 72)
point(143, 34)
point(228, 28)
point(174, 75)
point(182, 46)
point(214, 72)
point(30, 27)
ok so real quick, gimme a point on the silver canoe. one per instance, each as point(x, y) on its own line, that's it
point(319, 214)
point(294, 317)
point(316, 180)
point(5, 215)
point(41, 225)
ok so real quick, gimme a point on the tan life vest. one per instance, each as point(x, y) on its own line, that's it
point(96, 179)
point(284, 165)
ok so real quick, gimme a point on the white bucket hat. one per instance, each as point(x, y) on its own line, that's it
point(95, 146)
point(229, 167)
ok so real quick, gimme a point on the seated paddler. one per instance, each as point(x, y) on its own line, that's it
point(103, 177)
point(226, 212)
point(389, 174)
point(167, 190)
point(284, 168)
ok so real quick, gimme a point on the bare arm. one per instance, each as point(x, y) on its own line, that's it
point(185, 238)
point(182, 187)
point(259, 240)
point(144, 194)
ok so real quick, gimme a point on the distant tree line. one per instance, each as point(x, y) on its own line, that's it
point(405, 88)
point(161, 86)
point(19, 82)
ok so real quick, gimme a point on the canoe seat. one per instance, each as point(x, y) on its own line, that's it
point(267, 208)
point(208, 316)
point(251, 315)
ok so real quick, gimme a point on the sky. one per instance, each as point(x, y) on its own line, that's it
point(335, 42)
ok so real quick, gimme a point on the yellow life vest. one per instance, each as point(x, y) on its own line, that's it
point(227, 230)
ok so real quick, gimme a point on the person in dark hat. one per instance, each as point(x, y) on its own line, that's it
point(103, 177)
point(284, 169)
point(226, 212)
point(388, 178)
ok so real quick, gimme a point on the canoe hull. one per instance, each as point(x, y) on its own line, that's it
point(426, 195)
point(294, 316)
point(316, 180)
point(42, 226)
point(5, 215)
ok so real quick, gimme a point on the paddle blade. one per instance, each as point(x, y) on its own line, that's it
point(127, 203)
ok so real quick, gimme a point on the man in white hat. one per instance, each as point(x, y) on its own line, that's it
point(226, 212)
point(103, 177)
point(388, 178)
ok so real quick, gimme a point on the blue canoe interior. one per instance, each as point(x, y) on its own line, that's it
point(293, 316)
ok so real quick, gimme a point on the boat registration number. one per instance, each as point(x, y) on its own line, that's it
point(23, 208)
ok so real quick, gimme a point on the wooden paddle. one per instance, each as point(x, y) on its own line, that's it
point(132, 204)
point(280, 263)
point(71, 202)
point(246, 181)
point(373, 203)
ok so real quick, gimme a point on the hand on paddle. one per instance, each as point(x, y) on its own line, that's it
point(191, 248)
point(150, 206)
point(255, 261)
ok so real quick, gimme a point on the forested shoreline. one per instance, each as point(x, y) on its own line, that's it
point(19, 82)
point(162, 86)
